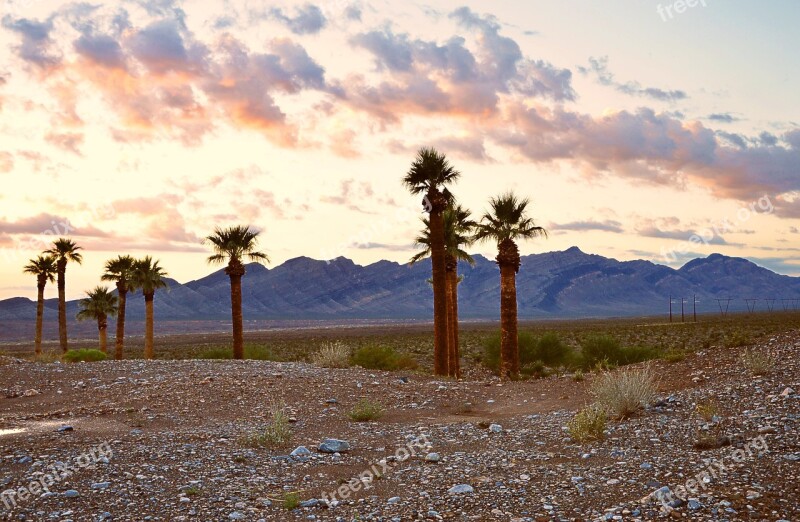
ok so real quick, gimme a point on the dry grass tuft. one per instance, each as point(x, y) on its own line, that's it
point(624, 393)
point(757, 363)
point(588, 424)
point(332, 355)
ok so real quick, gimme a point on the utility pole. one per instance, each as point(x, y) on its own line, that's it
point(683, 300)
point(670, 308)
point(695, 307)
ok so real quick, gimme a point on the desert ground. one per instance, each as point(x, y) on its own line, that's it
point(180, 438)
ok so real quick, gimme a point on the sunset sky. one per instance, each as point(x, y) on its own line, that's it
point(140, 126)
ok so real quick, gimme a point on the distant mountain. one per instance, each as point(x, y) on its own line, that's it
point(551, 285)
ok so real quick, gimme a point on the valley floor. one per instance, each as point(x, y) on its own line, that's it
point(165, 440)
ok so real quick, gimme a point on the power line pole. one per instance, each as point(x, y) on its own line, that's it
point(695, 307)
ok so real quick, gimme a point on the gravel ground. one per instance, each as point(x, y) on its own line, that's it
point(167, 440)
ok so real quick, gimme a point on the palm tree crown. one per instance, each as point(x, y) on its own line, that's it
point(97, 305)
point(507, 220)
point(458, 229)
point(429, 171)
point(147, 276)
point(235, 244)
point(64, 249)
point(43, 267)
point(119, 270)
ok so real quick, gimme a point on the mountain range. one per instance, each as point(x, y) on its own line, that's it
point(563, 284)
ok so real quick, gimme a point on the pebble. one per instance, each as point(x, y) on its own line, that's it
point(461, 489)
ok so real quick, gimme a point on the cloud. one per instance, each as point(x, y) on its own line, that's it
point(683, 235)
point(101, 49)
point(598, 67)
point(49, 224)
point(307, 19)
point(781, 265)
point(430, 77)
point(353, 13)
point(606, 226)
point(6, 162)
point(36, 45)
point(723, 117)
point(471, 147)
point(69, 141)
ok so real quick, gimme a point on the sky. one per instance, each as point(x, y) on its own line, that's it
point(642, 129)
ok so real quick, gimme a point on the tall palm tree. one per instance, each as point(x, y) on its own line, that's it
point(428, 175)
point(64, 250)
point(98, 305)
point(506, 222)
point(120, 270)
point(234, 244)
point(148, 277)
point(44, 268)
point(457, 232)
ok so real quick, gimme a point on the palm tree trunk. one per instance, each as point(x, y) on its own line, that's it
point(451, 274)
point(39, 316)
point(148, 326)
point(509, 348)
point(62, 306)
point(440, 345)
point(236, 316)
point(102, 327)
point(456, 353)
point(119, 345)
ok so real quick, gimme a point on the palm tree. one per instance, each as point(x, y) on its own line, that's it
point(428, 175)
point(120, 271)
point(457, 231)
point(148, 277)
point(504, 223)
point(233, 244)
point(98, 305)
point(64, 250)
point(44, 268)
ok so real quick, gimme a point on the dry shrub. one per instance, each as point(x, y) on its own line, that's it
point(332, 355)
point(624, 393)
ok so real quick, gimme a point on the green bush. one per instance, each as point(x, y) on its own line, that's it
point(256, 352)
point(588, 424)
point(366, 410)
point(551, 351)
point(377, 357)
point(536, 369)
point(607, 350)
point(84, 355)
point(528, 352)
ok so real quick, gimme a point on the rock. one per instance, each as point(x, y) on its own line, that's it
point(71, 493)
point(300, 451)
point(64, 429)
point(646, 465)
point(236, 516)
point(309, 503)
point(393, 500)
point(31, 393)
point(461, 489)
point(432, 457)
point(101, 485)
point(495, 428)
point(693, 504)
point(334, 446)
